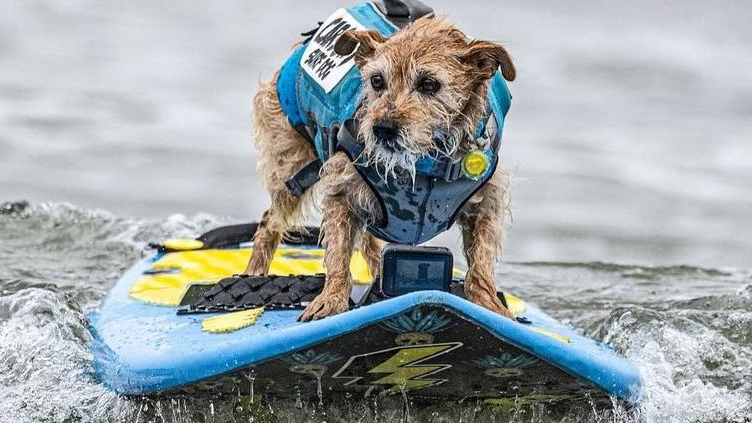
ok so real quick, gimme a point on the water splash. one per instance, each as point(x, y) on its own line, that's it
point(692, 372)
point(45, 367)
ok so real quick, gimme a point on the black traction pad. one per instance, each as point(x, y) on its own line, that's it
point(244, 292)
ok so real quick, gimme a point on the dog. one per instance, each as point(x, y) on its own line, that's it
point(415, 103)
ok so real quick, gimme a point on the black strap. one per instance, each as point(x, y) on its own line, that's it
point(225, 236)
point(309, 34)
point(402, 12)
point(304, 179)
point(347, 140)
point(232, 235)
point(444, 169)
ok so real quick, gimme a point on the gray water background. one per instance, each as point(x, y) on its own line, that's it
point(629, 137)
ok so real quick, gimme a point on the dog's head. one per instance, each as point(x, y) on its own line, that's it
point(424, 92)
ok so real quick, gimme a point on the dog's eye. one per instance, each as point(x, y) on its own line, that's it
point(377, 82)
point(428, 85)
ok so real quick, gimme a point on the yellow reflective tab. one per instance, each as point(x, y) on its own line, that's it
point(556, 336)
point(183, 244)
point(515, 402)
point(515, 304)
point(231, 322)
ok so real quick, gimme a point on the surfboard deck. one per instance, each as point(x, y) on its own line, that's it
point(429, 345)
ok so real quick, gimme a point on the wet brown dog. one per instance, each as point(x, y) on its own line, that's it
point(426, 75)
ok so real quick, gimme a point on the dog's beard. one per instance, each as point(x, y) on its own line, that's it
point(392, 163)
point(444, 142)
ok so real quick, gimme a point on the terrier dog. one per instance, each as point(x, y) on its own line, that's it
point(421, 92)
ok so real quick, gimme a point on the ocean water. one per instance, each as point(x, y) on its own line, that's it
point(629, 138)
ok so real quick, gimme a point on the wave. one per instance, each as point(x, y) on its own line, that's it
point(685, 327)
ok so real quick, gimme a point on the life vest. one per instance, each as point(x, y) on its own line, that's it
point(319, 91)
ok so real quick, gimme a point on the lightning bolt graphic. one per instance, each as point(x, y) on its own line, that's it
point(404, 369)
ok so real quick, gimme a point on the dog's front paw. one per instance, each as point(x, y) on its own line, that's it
point(325, 305)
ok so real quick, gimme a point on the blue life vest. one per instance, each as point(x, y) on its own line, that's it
point(320, 91)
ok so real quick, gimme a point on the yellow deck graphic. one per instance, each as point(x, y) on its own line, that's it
point(403, 370)
point(231, 322)
point(168, 279)
point(525, 400)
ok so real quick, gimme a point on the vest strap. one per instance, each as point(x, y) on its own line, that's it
point(440, 168)
point(304, 179)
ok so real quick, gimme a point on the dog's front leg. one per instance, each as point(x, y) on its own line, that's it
point(342, 229)
point(482, 224)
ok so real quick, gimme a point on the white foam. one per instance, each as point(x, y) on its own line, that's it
point(45, 366)
point(673, 363)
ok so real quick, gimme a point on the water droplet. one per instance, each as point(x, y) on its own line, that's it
point(319, 391)
point(298, 399)
point(251, 376)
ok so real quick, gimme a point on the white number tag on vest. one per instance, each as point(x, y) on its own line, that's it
point(320, 61)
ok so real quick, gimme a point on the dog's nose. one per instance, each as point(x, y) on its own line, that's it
point(385, 131)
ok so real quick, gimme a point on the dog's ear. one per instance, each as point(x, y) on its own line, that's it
point(486, 57)
point(360, 43)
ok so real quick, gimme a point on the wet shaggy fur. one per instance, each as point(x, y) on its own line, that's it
point(425, 90)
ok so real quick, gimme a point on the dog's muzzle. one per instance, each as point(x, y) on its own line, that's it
point(472, 165)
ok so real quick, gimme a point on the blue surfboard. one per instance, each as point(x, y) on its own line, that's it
point(429, 345)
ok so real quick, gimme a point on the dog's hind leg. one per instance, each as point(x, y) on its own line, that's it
point(482, 224)
point(282, 153)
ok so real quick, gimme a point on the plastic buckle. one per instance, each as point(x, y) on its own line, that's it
point(294, 187)
point(453, 171)
point(304, 178)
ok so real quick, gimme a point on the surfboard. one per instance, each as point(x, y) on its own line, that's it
point(428, 345)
